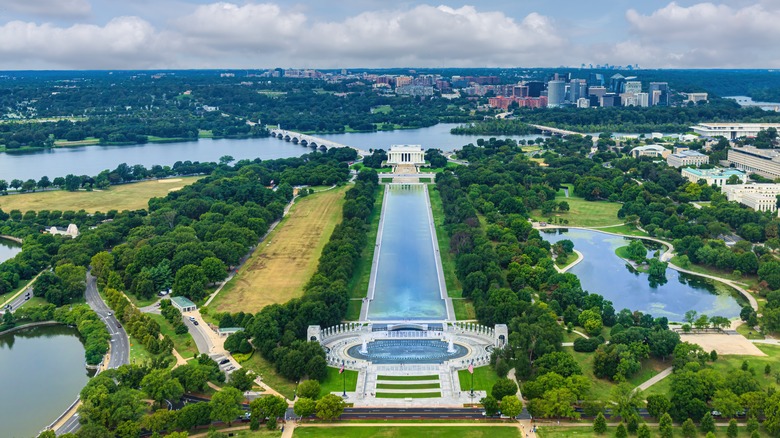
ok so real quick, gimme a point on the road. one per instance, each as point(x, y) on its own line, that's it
point(120, 345)
point(20, 299)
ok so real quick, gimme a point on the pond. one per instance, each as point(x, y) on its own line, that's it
point(8, 249)
point(603, 272)
point(405, 278)
point(91, 160)
point(43, 372)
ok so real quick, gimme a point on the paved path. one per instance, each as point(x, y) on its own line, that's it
point(570, 265)
point(666, 256)
point(655, 379)
point(766, 341)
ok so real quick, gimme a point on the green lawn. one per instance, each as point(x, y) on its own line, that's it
point(587, 431)
point(408, 386)
point(267, 371)
point(138, 353)
point(628, 230)
point(582, 213)
point(464, 309)
point(726, 364)
point(569, 259)
point(748, 332)
point(335, 381)
point(408, 394)
point(454, 288)
point(484, 379)
point(182, 343)
point(408, 378)
point(416, 431)
point(750, 280)
point(601, 388)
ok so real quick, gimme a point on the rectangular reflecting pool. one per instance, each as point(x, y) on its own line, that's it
point(405, 275)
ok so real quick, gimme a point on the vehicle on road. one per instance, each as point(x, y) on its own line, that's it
point(109, 313)
point(194, 322)
point(224, 361)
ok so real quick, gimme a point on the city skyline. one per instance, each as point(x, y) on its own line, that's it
point(100, 34)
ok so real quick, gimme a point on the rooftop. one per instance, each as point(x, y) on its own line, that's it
point(650, 147)
point(182, 302)
point(684, 154)
point(406, 147)
point(714, 173)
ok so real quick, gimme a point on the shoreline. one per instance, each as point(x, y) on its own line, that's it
point(666, 257)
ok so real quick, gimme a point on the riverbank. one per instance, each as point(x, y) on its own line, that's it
point(12, 238)
point(29, 326)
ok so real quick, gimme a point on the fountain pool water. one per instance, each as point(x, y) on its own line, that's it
point(408, 351)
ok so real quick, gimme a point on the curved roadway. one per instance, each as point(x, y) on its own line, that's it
point(119, 354)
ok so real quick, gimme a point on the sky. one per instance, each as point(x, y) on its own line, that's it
point(178, 34)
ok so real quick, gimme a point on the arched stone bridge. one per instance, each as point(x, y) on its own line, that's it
point(310, 140)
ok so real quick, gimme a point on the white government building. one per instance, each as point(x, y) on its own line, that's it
point(759, 197)
point(765, 162)
point(411, 154)
point(687, 158)
point(732, 131)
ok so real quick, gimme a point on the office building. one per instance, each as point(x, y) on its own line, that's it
point(759, 197)
point(732, 131)
point(687, 158)
point(583, 102)
point(717, 177)
point(535, 88)
point(651, 150)
point(764, 162)
point(632, 87)
point(696, 97)
point(556, 93)
point(659, 93)
point(609, 99)
point(642, 99)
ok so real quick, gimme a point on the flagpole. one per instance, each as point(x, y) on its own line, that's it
point(472, 379)
point(344, 379)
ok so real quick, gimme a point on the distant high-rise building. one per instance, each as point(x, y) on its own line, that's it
point(596, 79)
point(535, 88)
point(632, 87)
point(520, 91)
point(583, 102)
point(659, 93)
point(556, 93)
point(642, 99)
point(616, 83)
point(610, 99)
point(577, 89)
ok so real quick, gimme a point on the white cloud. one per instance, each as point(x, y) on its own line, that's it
point(49, 8)
point(702, 35)
point(227, 26)
point(124, 42)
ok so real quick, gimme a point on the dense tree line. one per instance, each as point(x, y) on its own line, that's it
point(277, 329)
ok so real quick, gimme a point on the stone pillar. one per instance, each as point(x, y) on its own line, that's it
point(314, 333)
point(501, 335)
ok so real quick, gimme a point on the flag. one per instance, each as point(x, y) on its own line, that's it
point(342, 369)
point(471, 368)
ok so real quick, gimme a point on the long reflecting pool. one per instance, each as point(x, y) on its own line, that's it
point(8, 249)
point(408, 351)
point(43, 372)
point(406, 281)
point(603, 272)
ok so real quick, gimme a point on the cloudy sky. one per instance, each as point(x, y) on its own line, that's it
point(141, 34)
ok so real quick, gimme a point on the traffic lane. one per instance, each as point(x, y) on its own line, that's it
point(20, 300)
point(69, 426)
point(200, 338)
point(120, 345)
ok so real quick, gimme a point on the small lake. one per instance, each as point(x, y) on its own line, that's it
point(407, 282)
point(91, 160)
point(603, 272)
point(8, 249)
point(43, 372)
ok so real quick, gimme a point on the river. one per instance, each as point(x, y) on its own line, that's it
point(601, 271)
point(8, 249)
point(43, 372)
point(91, 160)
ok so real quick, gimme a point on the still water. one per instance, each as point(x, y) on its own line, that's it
point(8, 249)
point(43, 372)
point(91, 160)
point(603, 272)
point(407, 282)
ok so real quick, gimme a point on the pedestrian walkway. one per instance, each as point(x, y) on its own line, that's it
point(655, 379)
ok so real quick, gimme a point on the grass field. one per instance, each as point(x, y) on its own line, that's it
point(335, 381)
point(122, 197)
point(408, 394)
point(464, 309)
point(416, 431)
point(484, 379)
point(726, 364)
point(584, 213)
point(454, 288)
point(587, 432)
point(408, 378)
point(408, 386)
point(182, 343)
point(266, 370)
point(602, 388)
point(281, 265)
point(358, 284)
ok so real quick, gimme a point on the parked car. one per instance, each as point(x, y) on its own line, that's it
point(224, 361)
